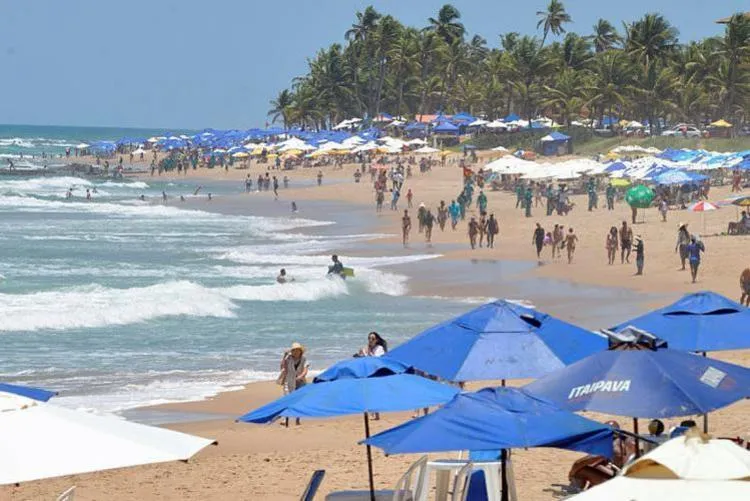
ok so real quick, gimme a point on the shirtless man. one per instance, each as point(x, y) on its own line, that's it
point(405, 227)
point(570, 244)
point(473, 232)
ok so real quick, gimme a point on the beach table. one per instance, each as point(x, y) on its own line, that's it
point(445, 470)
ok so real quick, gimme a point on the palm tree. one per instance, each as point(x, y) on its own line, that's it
point(566, 95)
point(553, 19)
point(732, 78)
point(447, 25)
point(650, 39)
point(280, 107)
point(605, 36)
point(611, 78)
point(366, 22)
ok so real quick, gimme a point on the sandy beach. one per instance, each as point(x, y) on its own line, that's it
point(273, 462)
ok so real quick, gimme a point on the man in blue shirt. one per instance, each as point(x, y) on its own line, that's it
point(694, 250)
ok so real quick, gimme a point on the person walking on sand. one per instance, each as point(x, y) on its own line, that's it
point(421, 211)
point(293, 373)
point(694, 249)
point(320, 177)
point(626, 242)
point(482, 202)
point(611, 245)
point(409, 198)
point(442, 215)
point(610, 194)
point(394, 199)
point(527, 197)
point(570, 244)
point(683, 240)
point(537, 239)
point(663, 209)
point(473, 231)
point(492, 230)
point(640, 255)
point(455, 212)
point(429, 221)
point(558, 235)
point(405, 227)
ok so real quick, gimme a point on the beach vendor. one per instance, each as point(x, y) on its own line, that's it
point(294, 368)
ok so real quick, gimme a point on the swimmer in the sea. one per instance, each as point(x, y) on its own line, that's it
point(283, 277)
point(294, 207)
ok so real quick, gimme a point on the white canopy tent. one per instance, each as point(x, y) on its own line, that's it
point(40, 440)
point(426, 150)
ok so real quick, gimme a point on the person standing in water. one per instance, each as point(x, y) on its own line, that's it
point(294, 207)
point(405, 227)
point(337, 268)
point(88, 194)
point(538, 240)
point(283, 278)
point(320, 177)
point(570, 244)
point(275, 188)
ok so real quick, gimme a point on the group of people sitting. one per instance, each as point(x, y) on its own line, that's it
point(741, 227)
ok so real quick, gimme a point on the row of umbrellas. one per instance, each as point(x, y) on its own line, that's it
point(576, 373)
point(500, 340)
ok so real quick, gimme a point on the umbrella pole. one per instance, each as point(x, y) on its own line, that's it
point(369, 459)
point(505, 496)
point(705, 416)
point(637, 438)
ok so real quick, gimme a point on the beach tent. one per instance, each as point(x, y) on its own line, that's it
point(702, 321)
point(445, 128)
point(478, 123)
point(645, 383)
point(39, 440)
point(496, 419)
point(512, 118)
point(426, 150)
point(499, 340)
point(357, 386)
point(555, 143)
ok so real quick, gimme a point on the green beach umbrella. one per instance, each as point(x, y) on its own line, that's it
point(640, 196)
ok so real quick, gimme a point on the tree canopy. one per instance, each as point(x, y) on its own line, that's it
point(642, 73)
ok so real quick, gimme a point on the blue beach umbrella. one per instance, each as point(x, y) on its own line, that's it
point(499, 340)
point(496, 419)
point(381, 390)
point(645, 384)
point(703, 321)
point(27, 391)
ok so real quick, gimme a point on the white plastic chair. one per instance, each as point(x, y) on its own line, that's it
point(409, 486)
point(68, 495)
point(461, 483)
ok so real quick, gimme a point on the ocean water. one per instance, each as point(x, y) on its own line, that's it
point(33, 140)
point(118, 303)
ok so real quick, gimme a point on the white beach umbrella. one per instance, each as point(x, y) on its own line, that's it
point(500, 148)
point(638, 489)
point(426, 150)
point(478, 122)
point(39, 440)
point(693, 458)
point(416, 142)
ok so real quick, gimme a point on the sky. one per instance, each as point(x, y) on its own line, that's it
point(197, 64)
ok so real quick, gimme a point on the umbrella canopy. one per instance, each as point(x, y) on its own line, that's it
point(703, 206)
point(640, 196)
point(638, 489)
point(703, 321)
point(39, 440)
point(742, 201)
point(500, 340)
point(645, 383)
point(721, 123)
point(27, 391)
point(496, 418)
point(361, 367)
point(347, 396)
point(620, 182)
point(693, 457)
point(427, 150)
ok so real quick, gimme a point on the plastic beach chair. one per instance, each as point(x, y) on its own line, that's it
point(461, 483)
point(313, 485)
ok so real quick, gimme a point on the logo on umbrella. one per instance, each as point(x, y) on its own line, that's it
point(599, 386)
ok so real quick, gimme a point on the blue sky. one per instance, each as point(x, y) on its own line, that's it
point(188, 63)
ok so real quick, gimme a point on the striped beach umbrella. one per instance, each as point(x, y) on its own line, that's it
point(703, 206)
